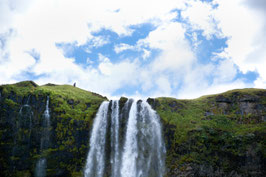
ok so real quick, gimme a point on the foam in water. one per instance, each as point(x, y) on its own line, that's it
point(138, 151)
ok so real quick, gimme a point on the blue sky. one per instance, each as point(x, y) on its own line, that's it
point(178, 48)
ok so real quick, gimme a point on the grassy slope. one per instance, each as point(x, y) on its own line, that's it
point(191, 135)
point(72, 109)
point(189, 115)
point(199, 129)
point(84, 102)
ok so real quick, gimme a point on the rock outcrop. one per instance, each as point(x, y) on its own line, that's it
point(217, 135)
point(21, 113)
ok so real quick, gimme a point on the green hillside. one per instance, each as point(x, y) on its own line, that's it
point(215, 135)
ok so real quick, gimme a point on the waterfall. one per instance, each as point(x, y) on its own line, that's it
point(25, 111)
point(138, 151)
point(22, 133)
point(40, 169)
point(96, 157)
point(45, 138)
point(115, 139)
point(131, 145)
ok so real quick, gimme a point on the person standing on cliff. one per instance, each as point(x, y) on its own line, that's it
point(74, 84)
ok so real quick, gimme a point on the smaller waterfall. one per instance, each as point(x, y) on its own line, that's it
point(25, 111)
point(22, 133)
point(40, 169)
point(45, 139)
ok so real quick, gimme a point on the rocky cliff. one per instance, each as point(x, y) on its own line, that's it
point(72, 111)
point(217, 135)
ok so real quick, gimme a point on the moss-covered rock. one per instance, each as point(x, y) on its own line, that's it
point(22, 106)
point(215, 135)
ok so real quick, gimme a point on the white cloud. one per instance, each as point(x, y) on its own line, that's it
point(200, 16)
point(146, 54)
point(99, 41)
point(225, 71)
point(245, 28)
point(105, 66)
point(38, 25)
point(89, 61)
point(170, 39)
point(197, 83)
point(122, 47)
point(9, 10)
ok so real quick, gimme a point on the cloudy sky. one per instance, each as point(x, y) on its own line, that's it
point(179, 48)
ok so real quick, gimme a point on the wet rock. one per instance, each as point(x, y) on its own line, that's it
point(153, 102)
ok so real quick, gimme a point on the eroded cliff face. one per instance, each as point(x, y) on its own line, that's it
point(21, 126)
point(218, 135)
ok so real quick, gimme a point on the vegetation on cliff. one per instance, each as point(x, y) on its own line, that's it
point(215, 135)
point(72, 112)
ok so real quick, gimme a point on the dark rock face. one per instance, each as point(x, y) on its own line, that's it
point(248, 106)
point(21, 124)
point(223, 135)
point(225, 156)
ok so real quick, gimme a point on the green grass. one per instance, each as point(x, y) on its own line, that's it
point(67, 100)
point(192, 135)
point(72, 113)
point(72, 102)
point(198, 136)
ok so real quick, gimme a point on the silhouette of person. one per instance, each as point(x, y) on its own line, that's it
point(74, 84)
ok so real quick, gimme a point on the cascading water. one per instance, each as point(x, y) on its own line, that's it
point(131, 144)
point(96, 157)
point(25, 111)
point(45, 139)
point(40, 170)
point(115, 154)
point(138, 151)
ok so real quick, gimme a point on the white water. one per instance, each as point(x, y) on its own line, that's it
point(142, 153)
point(47, 112)
point(115, 157)
point(96, 157)
point(131, 145)
point(40, 169)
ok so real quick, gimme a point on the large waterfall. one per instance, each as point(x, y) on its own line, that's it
point(126, 142)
